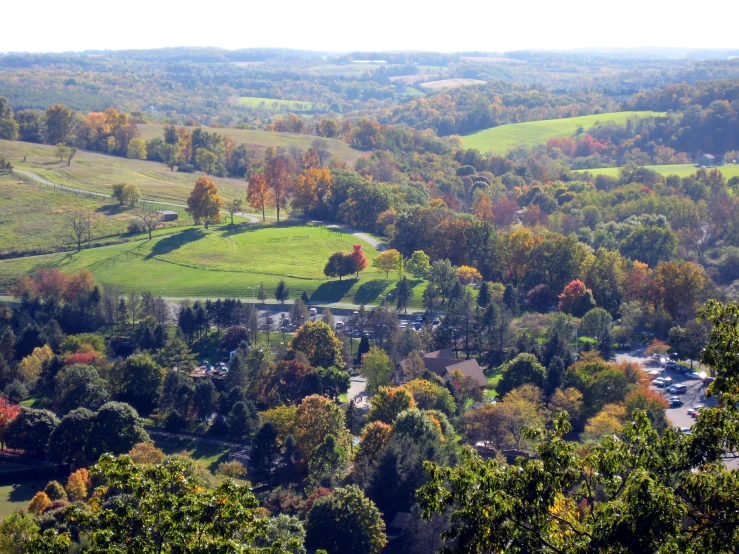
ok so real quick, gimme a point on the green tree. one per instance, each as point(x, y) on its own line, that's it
point(30, 431)
point(116, 428)
point(377, 368)
point(140, 381)
point(688, 341)
point(241, 422)
point(418, 265)
point(206, 160)
point(389, 403)
point(282, 292)
point(136, 149)
point(79, 386)
point(524, 369)
point(205, 399)
point(327, 462)
point(444, 277)
point(483, 296)
point(161, 512)
point(345, 521)
point(8, 125)
point(68, 441)
point(265, 452)
point(340, 264)
point(650, 245)
point(16, 531)
point(403, 293)
point(59, 124)
point(319, 343)
point(595, 322)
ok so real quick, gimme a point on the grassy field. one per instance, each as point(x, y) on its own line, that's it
point(264, 139)
point(32, 216)
point(210, 455)
point(15, 498)
point(347, 70)
point(99, 172)
point(530, 133)
point(275, 105)
point(681, 170)
point(223, 262)
point(451, 83)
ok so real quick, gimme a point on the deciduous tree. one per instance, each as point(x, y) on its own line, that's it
point(387, 261)
point(258, 194)
point(204, 203)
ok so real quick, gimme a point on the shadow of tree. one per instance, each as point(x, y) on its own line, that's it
point(241, 228)
point(369, 291)
point(111, 209)
point(333, 291)
point(173, 242)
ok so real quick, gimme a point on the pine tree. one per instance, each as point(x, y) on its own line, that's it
point(510, 299)
point(265, 452)
point(605, 344)
point(483, 296)
point(404, 294)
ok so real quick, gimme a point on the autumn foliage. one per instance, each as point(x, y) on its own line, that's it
point(360, 260)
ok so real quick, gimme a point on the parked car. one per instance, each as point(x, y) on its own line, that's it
point(436, 321)
point(677, 389)
point(695, 375)
point(686, 431)
point(659, 382)
point(667, 381)
point(313, 311)
point(339, 325)
point(675, 402)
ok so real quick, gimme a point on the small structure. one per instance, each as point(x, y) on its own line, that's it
point(709, 160)
point(167, 215)
point(443, 363)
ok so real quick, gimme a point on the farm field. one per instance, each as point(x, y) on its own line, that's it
point(221, 262)
point(276, 105)
point(348, 70)
point(681, 170)
point(451, 83)
point(530, 133)
point(265, 139)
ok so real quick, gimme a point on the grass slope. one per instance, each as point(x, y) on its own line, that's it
point(275, 105)
point(15, 498)
point(223, 262)
point(530, 133)
point(451, 83)
point(264, 139)
point(681, 170)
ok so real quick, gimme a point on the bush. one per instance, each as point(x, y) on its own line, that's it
point(174, 422)
point(55, 491)
point(136, 227)
point(16, 391)
point(231, 469)
point(187, 168)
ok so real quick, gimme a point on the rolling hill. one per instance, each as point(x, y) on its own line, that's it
point(530, 133)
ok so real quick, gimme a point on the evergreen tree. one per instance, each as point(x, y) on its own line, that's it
point(265, 452)
point(282, 292)
point(241, 421)
point(483, 296)
point(363, 348)
point(605, 344)
point(404, 293)
point(510, 299)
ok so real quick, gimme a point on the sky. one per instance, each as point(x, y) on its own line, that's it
point(341, 26)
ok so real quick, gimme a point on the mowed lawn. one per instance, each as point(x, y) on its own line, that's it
point(225, 262)
point(530, 133)
point(16, 498)
point(264, 139)
point(276, 105)
point(681, 170)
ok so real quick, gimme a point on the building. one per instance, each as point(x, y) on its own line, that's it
point(709, 160)
point(443, 363)
point(167, 215)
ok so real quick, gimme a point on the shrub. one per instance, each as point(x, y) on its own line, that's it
point(232, 469)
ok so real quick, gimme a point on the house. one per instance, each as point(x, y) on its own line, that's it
point(709, 160)
point(443, 363)
point(167, 215)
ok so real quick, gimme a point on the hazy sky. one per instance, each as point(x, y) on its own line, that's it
point(335, 25)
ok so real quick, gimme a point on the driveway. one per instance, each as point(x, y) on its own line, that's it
point(357, 386)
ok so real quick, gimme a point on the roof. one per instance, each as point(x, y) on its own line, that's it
point(167, 212)
point(708, 156)
point(469, 368)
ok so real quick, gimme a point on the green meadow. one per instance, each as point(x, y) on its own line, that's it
point(530, 133)
point(681, 170)
point(222, 262)
point(276, 105)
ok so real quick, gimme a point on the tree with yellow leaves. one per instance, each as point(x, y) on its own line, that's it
point(312, 190)
point(79, 485)
point(31, 366)
point(204, 203)
point(468, 275)
point(39, 503)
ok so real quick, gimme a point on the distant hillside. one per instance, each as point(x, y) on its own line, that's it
point(681, 170)
point(264, 139)
point(530, 133)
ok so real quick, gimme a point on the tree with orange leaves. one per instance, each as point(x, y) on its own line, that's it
point(312, 189)
point(279, 180)
point(483, 207)
point(259, 195)
point(204, 203)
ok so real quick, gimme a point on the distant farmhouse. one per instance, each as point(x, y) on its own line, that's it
point(709, 160)
point(167, 215)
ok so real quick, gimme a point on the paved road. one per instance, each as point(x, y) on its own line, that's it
point(357, 386)
point(38, 178)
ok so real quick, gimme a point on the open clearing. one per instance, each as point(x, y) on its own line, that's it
point(276, 105)
point(530, 133)
point(264, 139)
point(222, 262)
point(681, 170)
point(451, 83)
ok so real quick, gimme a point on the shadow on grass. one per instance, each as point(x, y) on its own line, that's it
point(369, 291)
point(240, 228)
point(332, 291)
point(24, 492)
point(111, 209)
point(173, 242)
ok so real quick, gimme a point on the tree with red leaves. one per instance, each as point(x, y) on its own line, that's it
point(360, 260)
point(8, 412)
point(576, 299)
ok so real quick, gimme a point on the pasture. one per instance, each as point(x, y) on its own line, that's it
point(224, 262)
point(276, 105)
point(502, 138)
point(681, 170)
point(451, 83)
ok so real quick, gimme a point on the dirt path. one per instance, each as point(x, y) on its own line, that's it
point(361, 236)
point(41, 180)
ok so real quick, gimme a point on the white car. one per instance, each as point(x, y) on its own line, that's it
point(677, 389)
